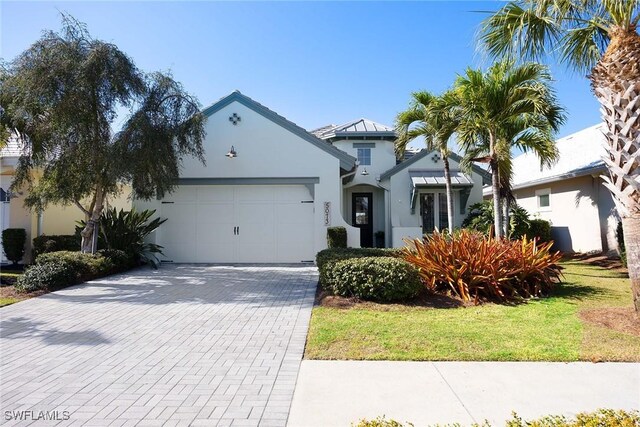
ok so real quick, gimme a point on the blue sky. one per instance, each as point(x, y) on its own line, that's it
point(313, 62)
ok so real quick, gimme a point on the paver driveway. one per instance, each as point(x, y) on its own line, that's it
point(184, 345)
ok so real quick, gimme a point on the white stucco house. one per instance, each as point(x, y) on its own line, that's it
point(270, 189)
point(570, 194)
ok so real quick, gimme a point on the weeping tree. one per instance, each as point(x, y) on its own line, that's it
point(62, 97)
point(431, 117)
point(598, 37)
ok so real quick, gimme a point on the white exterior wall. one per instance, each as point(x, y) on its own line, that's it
point(581, 212)
point(267, 150)
point(383, 158)
point(405, 224)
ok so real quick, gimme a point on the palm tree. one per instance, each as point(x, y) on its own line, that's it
point(431, 117)
point(505, 107)
point(599, 37)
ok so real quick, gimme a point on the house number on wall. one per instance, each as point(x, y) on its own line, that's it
point(327, 213)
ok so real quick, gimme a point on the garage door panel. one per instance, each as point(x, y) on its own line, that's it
point(179, 252)
point(215, 251)
point(292, 193)
point(253, 193)
point(215, 193)
point(218, 213)
point(294, 213)
point(182, 195)
point(256, 252)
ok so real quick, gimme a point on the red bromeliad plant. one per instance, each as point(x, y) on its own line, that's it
point(476, 267)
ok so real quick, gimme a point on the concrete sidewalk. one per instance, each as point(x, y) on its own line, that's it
point(338, 393)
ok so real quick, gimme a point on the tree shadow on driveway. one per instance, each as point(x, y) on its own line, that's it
point(22, 327)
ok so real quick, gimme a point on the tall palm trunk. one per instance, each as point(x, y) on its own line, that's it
point(449, 190)
point(616, 83)
point(506, 222)
point(495, 186)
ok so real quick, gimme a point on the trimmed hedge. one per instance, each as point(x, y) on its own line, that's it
point(541, 229)
point(13, 240)
point(329, 256)
point(54, 243)
point(382, 279)
point(48, 276)
point(56, 270)
point(87, 266)
point(336, 237)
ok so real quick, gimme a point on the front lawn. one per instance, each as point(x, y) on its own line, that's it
point(589, 317)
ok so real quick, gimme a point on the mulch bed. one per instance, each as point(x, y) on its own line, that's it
point(424, 300)
point(603, 261)
point(10, 292)
point(621, 319)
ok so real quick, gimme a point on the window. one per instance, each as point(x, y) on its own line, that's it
point(433, 212)
point(544, 199)
point(364, 156)
point(443, 220)
point(427, 212)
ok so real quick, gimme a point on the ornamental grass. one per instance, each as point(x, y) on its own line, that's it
point(479, 268)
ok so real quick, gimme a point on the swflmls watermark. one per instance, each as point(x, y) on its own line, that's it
point(36, 415)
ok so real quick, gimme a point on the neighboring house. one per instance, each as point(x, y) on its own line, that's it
point(54, 220)
point(570, 194)
point(270, 189)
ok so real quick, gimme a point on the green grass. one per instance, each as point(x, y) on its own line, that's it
point(7, 301)
point(542, 329)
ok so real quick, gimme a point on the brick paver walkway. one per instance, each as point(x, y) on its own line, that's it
point(184, 345)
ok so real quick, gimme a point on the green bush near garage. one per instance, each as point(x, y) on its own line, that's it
point(47, 276)
point(13, 240)
point(55, 270)
point(336, 237)
point(380, 279)
point(329, 256)
point(54, 243)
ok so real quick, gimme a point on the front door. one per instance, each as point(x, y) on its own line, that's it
point(362, 210)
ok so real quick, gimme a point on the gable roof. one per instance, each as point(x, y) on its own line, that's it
point(580, 154)
point(347, 162)
point(360, 128)
point(486, 177)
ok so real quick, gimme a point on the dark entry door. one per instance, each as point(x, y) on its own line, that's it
point(362, 217)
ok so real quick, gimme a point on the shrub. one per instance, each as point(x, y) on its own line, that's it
point(480, 218)
point(127, 230)
point(336, 237)
point(473, 266)
point(621, 247)
point(600, 418)
point(87, 266)
point(58, 269)
point(13, 240)
point(43, 244)
point(329, 256)
point(381, 422)
point(382, 279)
point(47, 276)
point(540, 229)
point(120, 259)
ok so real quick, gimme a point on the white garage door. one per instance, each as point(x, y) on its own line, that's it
point(238, 224)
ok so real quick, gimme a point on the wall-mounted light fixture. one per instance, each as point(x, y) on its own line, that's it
point(232, 153)
point(364, 172)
